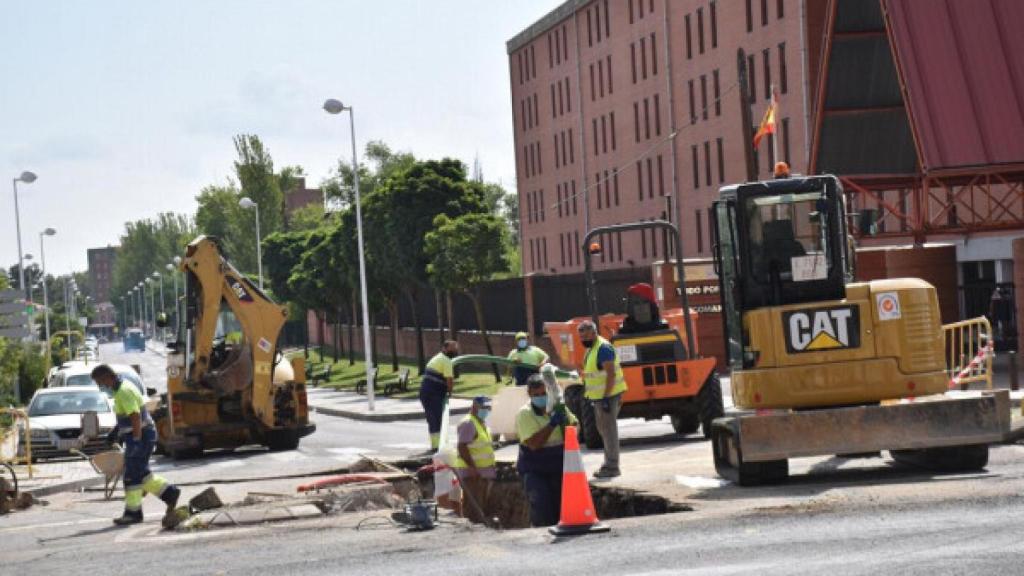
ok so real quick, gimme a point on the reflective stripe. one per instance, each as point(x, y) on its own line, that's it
point(595, 379)
point(572, 462)
point(481, 448)
point(133, 499)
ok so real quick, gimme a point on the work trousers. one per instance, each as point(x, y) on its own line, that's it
point(544, 491)
point(476, 492)
point(137, 477)
point(608, 427)
point(432, 396)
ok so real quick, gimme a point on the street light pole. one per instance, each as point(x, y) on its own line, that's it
point(46, 298)
point(28, 178)
point(142, 292)
point(177, 311)
point(163, 307)
point(152, 308)
point(250, 203)
point(67, 320)
point(333, 106)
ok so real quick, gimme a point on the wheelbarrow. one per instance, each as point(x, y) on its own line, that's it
point(110, 464)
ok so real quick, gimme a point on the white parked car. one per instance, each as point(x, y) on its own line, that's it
point(55, 420)
point(80, 374)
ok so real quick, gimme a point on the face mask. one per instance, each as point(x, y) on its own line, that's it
point(522, 344)
point(588, 343)
point(451, 354)
point(539, 401)
point(483, 413)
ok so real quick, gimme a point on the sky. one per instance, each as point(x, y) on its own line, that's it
point(126, 109)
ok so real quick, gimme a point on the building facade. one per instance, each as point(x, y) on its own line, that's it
point(101, 272)
point(619, 105)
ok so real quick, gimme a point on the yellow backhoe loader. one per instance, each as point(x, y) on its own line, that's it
point(227, 383)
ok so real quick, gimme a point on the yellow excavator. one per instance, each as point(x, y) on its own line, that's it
point(228, 385)
point(823, 365)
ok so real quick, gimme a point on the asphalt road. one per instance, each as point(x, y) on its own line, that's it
point(833, 517)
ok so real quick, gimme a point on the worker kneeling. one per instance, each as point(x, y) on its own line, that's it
point(137, 432)
point(475, 462)
point(541, 449)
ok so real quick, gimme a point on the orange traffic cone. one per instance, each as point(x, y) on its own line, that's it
point(578, 515)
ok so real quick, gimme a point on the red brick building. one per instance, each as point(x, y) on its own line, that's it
point(600, 86)
point(300, 196)
point(101, 271)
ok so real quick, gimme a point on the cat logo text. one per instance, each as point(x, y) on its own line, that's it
point(822, 329)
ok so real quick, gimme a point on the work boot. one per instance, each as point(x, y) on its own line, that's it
point(130, 517)
point(170, 497)
point(605, 473)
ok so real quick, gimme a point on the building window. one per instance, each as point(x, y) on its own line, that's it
point(696, 172)
point(615, 184)
point(713, 14)
point(593, 91)
point(657, 115)
point(529, 208)
point(632, 59)
point(654, 55)
point(607, 190)
point(600, 78)
point(717, 92)
point(751, 79)
point(721, 160)
point(767, 74)
point(631, 11)
point(568, 96)
point(597, 190)
point(545, 241)
point(593, 123)
point(553, 108)
point(590, 29)
point(643, 58)
point(707, 162)
point(608, 66)
point(611, 120)
point(693, 104)
point(704, 96)
point(572, 148)
point(783, 80)
point(542, 207)
point(689, 39)
point(647, 119)
point(604, 134)
point(607, 20)
point(557, 164)
point(636, 119)
point(558, 194)
point(661, 177)
point(780, 9)
point(699, 221)
point(750, 16)
point(639, 180)
point(764, 12)
point(533, 62)
point(785, 139)
point(700, 30)
point(561, 245)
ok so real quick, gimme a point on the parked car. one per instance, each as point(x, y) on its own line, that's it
point(80, 374)
point(55, 420)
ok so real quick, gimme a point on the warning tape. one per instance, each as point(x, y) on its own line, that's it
point(974, 364)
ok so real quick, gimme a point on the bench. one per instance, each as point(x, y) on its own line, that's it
point(399, 385)
point(361, 385)
point(317, 374)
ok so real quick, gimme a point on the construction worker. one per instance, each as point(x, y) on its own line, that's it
point(541, 448)
point(475, 462)
point(527, 358)
point(438, 379)
point(137, 433)
point(604, 384)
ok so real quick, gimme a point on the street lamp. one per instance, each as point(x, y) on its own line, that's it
point(172, 268)
point(247, 203)
point(46, 298)
point(67, 321)
point(28, 178)
point(163, 308)
point(152, 307)
point(333, 106)
point(142, 298)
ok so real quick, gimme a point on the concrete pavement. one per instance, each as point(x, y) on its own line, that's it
point(348, 404)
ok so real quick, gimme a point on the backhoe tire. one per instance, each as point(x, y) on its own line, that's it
point(685, 422)
point(282, 440)
point(709, 403)
point(588, 423)
point(949, 459)
point(729, 461)
point(574, 402)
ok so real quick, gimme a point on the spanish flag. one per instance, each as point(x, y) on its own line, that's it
point(767, 123)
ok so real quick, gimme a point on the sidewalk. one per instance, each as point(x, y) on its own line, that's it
point(55, 477)
point(347, 404)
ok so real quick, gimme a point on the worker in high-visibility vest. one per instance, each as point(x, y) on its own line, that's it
point(540, 429)
point(137, 432)
point(437, 383)
point(475, 462)
point(527, 359)
point(604, 384)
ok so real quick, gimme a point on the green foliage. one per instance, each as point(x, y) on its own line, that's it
point(147, 246)
point(23, 363)
point(282, 251)
point(309, 217)
point(466, 251)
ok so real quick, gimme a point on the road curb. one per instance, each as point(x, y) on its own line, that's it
point(403, 416)
point(71, 486)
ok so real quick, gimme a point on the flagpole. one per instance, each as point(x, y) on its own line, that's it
point(775, 132)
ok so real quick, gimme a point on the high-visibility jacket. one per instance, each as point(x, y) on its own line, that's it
point(595, 379)
point(128, 401)
point(481, 448)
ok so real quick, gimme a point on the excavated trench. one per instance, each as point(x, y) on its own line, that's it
point(507, 500)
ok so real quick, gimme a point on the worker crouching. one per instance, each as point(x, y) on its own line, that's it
point(438, 379)
point(541, 449)
point(475, 462)
point(137, 432)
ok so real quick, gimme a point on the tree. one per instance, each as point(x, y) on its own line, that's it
point(147, 246)
point(404, 212)
point(309, 217)
point(465, 252)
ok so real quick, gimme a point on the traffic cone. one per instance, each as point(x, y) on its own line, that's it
point(578, 515)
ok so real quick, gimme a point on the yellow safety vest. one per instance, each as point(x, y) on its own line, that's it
point(480, 448)
point(595, 378)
